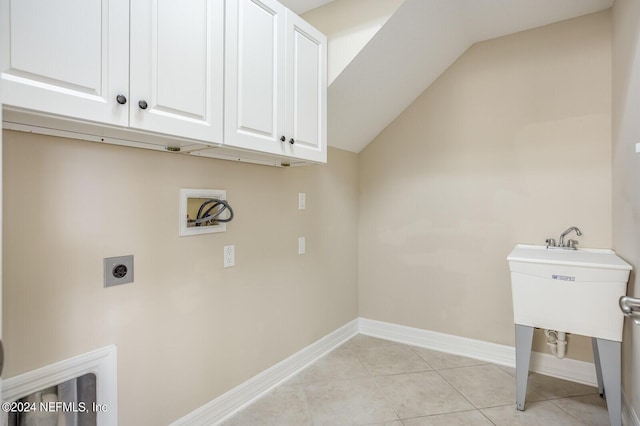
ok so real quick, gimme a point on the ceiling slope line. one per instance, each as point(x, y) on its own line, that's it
point(415, 46)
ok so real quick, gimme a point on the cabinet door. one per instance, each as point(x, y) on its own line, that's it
point(254, 84)
point(306, 94)
point(66, 57)
point(177, 67)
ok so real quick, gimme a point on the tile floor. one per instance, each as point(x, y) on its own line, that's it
point(369, 381)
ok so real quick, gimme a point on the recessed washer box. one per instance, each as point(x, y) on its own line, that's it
point(191, 200)
point(118, 270)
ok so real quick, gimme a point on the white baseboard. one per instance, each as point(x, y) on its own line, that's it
point(237, 398)
point(478, 349)
point(567, 369)
point(549, 365)
point(629, 415)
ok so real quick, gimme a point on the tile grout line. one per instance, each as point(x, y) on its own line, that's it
point(372, 374)
point(384, 396)
point(562, 408)
point(453, 387)
point(306, 399)
point(478, 409)
point(457, 390)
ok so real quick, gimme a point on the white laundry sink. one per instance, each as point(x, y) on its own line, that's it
point(575, 291)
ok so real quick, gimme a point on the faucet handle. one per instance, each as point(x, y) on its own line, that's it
point(550, 242)
point(572, 244)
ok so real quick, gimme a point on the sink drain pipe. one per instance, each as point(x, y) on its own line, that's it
point(557, 342)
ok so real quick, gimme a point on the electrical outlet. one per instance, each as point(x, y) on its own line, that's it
point(229, 256)
point(302, 202)
point(118, 270)
point(302, 245)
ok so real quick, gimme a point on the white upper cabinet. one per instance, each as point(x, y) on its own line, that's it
point(276, 80)
point(306, 90)
point(184, 75)
point(71, 58)
point(255, 77)
point(177, 67)
point(66, 57)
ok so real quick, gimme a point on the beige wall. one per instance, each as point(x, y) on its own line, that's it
point(510, 145)
point(626, 172)
point(187, 330)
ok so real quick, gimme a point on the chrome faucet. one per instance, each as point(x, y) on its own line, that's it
point(572, 242)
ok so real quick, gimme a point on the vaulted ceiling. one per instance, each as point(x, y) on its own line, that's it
point(302, 6)
point(414, 47)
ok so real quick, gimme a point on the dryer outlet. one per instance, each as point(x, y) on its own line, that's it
point(118, 270)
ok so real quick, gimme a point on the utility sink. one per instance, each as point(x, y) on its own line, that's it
point(575, 291)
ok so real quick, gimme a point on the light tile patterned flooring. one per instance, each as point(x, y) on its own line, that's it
point(369, 381)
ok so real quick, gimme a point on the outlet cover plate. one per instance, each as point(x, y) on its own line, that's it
point(118, 270)
point(229, 256)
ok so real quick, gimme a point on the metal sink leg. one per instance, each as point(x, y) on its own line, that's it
point(524, 339)
point(609, 354)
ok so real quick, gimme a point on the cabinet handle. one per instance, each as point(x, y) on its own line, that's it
point(121, 99)
point(291, 141)
point(142, 104)
point(282, 138)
